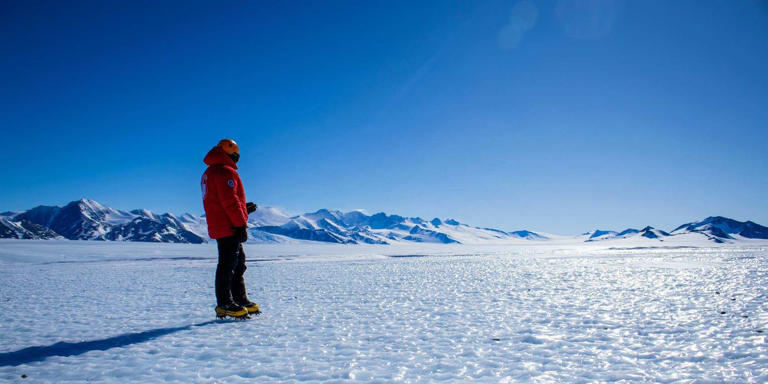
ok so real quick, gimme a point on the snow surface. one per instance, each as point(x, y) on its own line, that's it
point(75, 311)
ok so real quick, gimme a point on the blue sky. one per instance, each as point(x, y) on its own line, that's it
point(559, 116)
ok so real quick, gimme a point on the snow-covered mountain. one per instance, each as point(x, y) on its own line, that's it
point(88, 220)
point(527, 235)
point(629, 233)
point(720, 229)
point(716, 229)
point(358, 227)
point(652, 233)
point(271, 225)
point(24, 229)
point(598, 234)
point(264, 216)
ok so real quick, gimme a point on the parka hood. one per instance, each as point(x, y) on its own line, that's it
point(217, 156)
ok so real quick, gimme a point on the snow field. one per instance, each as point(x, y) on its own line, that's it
point(518, 317)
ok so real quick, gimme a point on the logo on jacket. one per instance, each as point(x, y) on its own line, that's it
point(231, 183)
point(204, 185)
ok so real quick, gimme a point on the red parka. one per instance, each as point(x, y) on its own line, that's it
point(223, 195)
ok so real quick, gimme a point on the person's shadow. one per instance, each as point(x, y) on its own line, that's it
point(31, 354)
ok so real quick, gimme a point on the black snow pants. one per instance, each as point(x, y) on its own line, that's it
point(230, 285)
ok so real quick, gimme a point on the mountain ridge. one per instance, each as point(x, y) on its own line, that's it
point(87, 219)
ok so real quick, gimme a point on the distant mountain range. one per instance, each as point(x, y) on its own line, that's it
point(88, 220)
point(647, 232)
point(714, 228)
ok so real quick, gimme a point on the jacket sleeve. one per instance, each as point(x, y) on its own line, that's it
point(227, 187)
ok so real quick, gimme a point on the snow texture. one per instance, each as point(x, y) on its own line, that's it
point(77, 311)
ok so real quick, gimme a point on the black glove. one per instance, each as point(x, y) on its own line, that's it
point(250, 207)
point(241, 234)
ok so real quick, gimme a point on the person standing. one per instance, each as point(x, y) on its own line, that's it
point(226, 214)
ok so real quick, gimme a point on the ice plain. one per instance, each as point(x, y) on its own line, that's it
point(78, 311)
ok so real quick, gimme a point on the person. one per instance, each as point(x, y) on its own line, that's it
point(226, 213)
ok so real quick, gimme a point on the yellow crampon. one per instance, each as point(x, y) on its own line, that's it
point(221, 312)
point(253, 309)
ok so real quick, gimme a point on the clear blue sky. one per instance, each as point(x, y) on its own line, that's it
point(559, 116)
